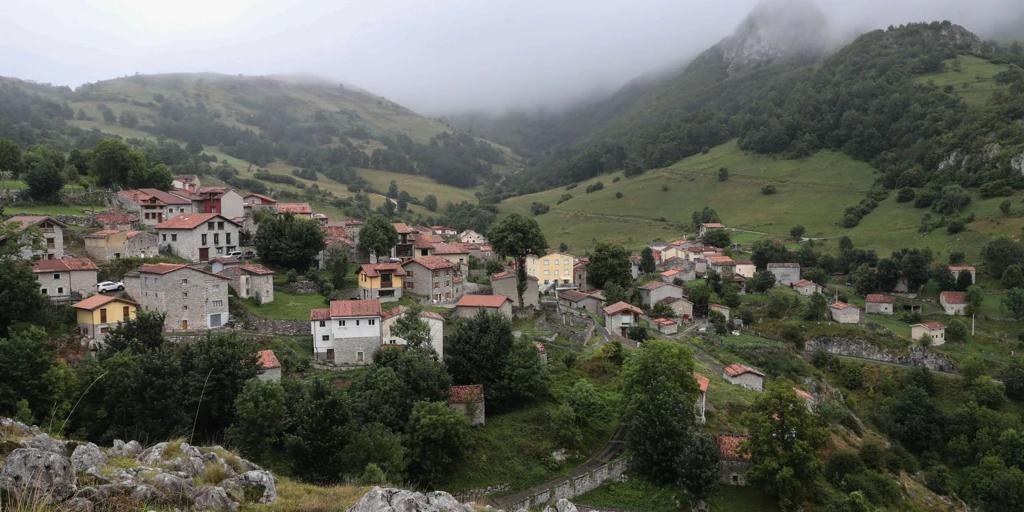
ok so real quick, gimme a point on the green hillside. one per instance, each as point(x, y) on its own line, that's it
point(971, 77)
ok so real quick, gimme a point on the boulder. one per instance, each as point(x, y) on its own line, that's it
point(175, 487)
point(381, 499)
point(38, 472)
point(132, 449)
point(116, 449)
point(77, 505)
point(562, 505)
point(99, 494)
point(212, 498)
point(46, 443)
point(152, 456)
point(252, 481)
point(88, 456)
point(148, 494)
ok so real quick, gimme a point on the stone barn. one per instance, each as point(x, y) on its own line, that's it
point(878, 304)
point(785, 273)
point(845, 313)
point(468, 400)
point(733, 462)
point(270, 368)
point(744, 376)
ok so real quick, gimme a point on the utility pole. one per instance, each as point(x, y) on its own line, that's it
point(972, 325)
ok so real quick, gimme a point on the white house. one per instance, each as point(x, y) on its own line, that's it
point(744, 376)
point(348, 332)
point(709, 226)
point(845, 313)
point(433, 320)
point(472, 237)
point(199, 236)
point(806, 288)
point(619, 317)
point(702, 399)
point(934, 330)
point(953, 303)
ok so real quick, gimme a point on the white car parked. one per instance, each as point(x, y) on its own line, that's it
point(110, 286)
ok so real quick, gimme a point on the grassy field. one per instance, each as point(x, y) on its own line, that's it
point(974, 82)
point(52, 209)
point(418, 186)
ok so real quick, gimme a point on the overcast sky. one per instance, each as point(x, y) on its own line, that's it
point(435, 56)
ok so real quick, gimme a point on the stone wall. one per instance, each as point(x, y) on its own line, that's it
point(559, 322)
point(573, 486)
point(915, 355)
point(253, 323)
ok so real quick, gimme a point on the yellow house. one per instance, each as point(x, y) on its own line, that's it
point(552, 268)
point(113, 244)
point(382, 281)
point(97, 313)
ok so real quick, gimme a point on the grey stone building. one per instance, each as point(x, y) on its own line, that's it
point(251, 281)
point(432, 277)
point(112, 244)
point(619, 317)
point(470, 305)
point(193, 299)
point(744, 376)
point(468, 400)
point(878, 304)
point(349, 332)
point(654, 291)
point(199, 236)
point(785, 273)
point(155, 206)
point(63, 280)
point(52, 236)
point(733, 463)
point(505, 284)
point(270, 367)
point(574, 299)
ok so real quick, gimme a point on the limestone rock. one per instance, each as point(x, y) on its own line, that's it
point(173, 486)
point(153, 455)
point(562, 505)
point(212, 498)
point(87, 456)
point(41, 472)
point(46, 443)
point(77, 505)
point(255, 480)
point(132, 449)
point(101, 493)
point(148, 494)
point(380, 499)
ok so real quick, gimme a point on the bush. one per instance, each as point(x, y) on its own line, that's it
point(616, 179)
point(539, 208)
point(664, 188)
point(938, 479)
point(842, 464)
point(595, 187)
point(618, 195)
point(292, 276)
point(955, 226)
point(925, 198)
point(768, 190)
point(564, 198)
point(905, 195)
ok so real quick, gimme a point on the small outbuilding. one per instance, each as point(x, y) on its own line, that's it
point(469, 305)
point(934, 330)
point(270, 367)
point(744, 376)
point(733, 462)
point(468, 400)
point(702, 399)
point(879, 304)
point(845, 313)
point(665, 326)
point(953, 303)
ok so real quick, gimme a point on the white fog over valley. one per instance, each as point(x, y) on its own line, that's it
point(435, 56)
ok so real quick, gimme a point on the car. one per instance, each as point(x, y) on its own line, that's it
point(110, 286)
point(236, 254)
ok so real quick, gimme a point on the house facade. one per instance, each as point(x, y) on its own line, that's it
point(199, 236)
point(721, 264)
point(221, 200)
point(52, 241)
point(654, 291)
point(806, 288)
point(112, 244)
point(733, 462)
point(472, 237)
point(785, 273)
point(336, 238)
point(575, 299)
point(709, 226)
point(469, 401)
point(251, 281)
point(552, 268)
point(702, 399)
point(347, 333)
point(382, 281)
point(186, 182)
point(724, 310)
point(953, 303)
point(154, 206)
point(934, 330)
point(957, 270)
point(432, 277)
point(744, 376)
point(505, 284)
point(469, 305)
point(270, 367)
point(844, 313)
point(434, 321)
point(403, 248)
point(745, 268)
point(878, 304)
point(619, 317)
point(665, 326)
point(682, 307)
point(456, 253)
point(192, 299)
point(98, 314)
point(62, 280)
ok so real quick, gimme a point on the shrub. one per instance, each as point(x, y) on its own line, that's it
point(618, 195)
point(955, 226)
point(292, 276)
point(664, 188)
point(925, 198)
point(938, 479)
point(572, 186)
point(539, 208)
point(905, 195)
point(595, 187)
point(564, 198)
point(616, 179)
point(768, 190)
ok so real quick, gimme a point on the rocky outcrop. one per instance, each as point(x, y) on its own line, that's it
point(774, 30)
point(170, 474)
point(385, 499)
point(863, 349)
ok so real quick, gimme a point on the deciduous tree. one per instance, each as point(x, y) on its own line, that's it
point(516, 237)
point(257, 428)
point(437, 439)
point(378, 236)
point(609, 263)
point(647, 264)
point(290, 242)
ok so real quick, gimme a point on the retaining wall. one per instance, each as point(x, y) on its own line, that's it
point(574, 486)
point(915, 355)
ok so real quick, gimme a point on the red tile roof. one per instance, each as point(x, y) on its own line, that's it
point(573, 295)
point(373, 270)
point(336, 234)
point(450, 248)
point(268, 360)
point(160, 268)
point(466, 394)
point(257, 269)
point(718, 307)
point(66, 265)
point(432, 315)
point(671, 272)
point(953, 297)
point(879, 298)
point(702, 382)
point(261, 197)
point(402, 228)
point(319, 314)
point(116, 217)
point(736, 369)
point(663, 321)
point(540, 347)
point(103, 233)
point(345, 308)
point(133, 234)
point(804, 283)
point(931, 325)
point(842, 305)
point(353, 222)
point(654, 285)
point(482, 301)
point(144, 194)
point(431, 262)
point(713, 225)
point(32, 220)
point(295, 208)
point(388, 314)
point(953, 268)
point(619, 307)
point(96, 301)
point(721, 260)
point(191, 220)
point(729, 446)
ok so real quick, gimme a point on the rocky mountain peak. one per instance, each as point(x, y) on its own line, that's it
point(776, 29)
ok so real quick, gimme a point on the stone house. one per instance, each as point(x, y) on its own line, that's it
point(654, 291)
point(52, 240)
point(349, 332)
point(505, 284)
point(199, 236)
point(186, 182)
point(220, 263)
point(433, 320)
point(733, 463)
point(745, 268)
point(682, 307)
point(472, 237)
point(423, 245)
point(721, 264)
point(579, 275)
point(665, 326)
point(744, 376)
point(709, 226)
point(575, 299)
point(403, 248)
point(785, 273)
point(221, 200)
point(111, 244)
point(807, 398)
point(806, 288)
point(251, 280)
point(953, 303)
point(432, 277)
point(258, 200)
point(687, 272)
point(298, 210)
point(192, 299)
point(335, 238)
point(468, 400)
point(956, 270)
point(63, 280)
point(482, 252)
point(97, 314)
point(619, 317)
point(469, 305)
point(934, 330)
point(270, 367)
point(844, 313)
point(380, 281)
point(878, 304)
point(457, 254)
point(116, 219)
point(155, 206)
point(702, 399)
point(634, 267)
point(724, 310)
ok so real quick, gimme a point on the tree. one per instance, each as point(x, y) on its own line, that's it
point(783, 441)
point(290, 242)
point(393, 190)
point(1001, 253)
point(10, 157)
point(818, 276)
point(215, 369)
point(1013, 302)
point(905, 195)
point(613, 294)
point(797, 232)
point(318, 439)
point(647, 265)
point(378, 236)
point(477, 351)
point(413, 329)
point(374, 445)
point(637, 333)
point(716, 238)
point(864, 279)
point(115, 164)
point(258, 427)
point(956, 332)
point(718, 322)
point(430, 202)
point(817, 307)
point(974, 296)
point(20, 299)
point(764, 252)
point(337, 261)
point(437, 439)
point(609, 263)
point(1005, 207)
point(697, 465)
point(525, 375)
point(762, 281)
point(494, 267)
point(517, 237)
point(915, 421)
point(137, 335)
point(44, 173)
point(951, 200)
point(1013, 277)
point(723, 174)
point(700, 296)
point(965, 281)
point(1013, 378)
point(26, 359)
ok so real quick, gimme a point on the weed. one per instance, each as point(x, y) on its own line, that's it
point(215, 473)
point(173, 449)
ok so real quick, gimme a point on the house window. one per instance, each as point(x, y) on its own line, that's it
point(56, 277)
point(409, 285)
point(184, 307)
point(372, 322)
point(103, 315)
point(546, 262)
point(556, 271)
point(341, 323)
point(181, 210)
point(184, 281)
point(209, 225)
point(60, 290)
point(359, 357)
point(215, 320)
point(216, 287)
point(216, 239)
point(174, 238)
point(170, 211)
point(412, 274)
point(547, 272)
point(566, 262)
point(357, 323)
point(323, 323)
point(43, 291)
point(218, 303)
point(325, 337)
point(104, 330)
point(220, 225)
point(447, 284)
point(204, 239)
point(228, 238)
point(165, 237)
point(437, 285)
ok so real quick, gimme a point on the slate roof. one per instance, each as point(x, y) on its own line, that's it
point(167, 268)
point(347, 308)
point(65, 265)
point(654, 285)
point(783, 265)
point(137, 196)
point(255, 269)
point(259, 196)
